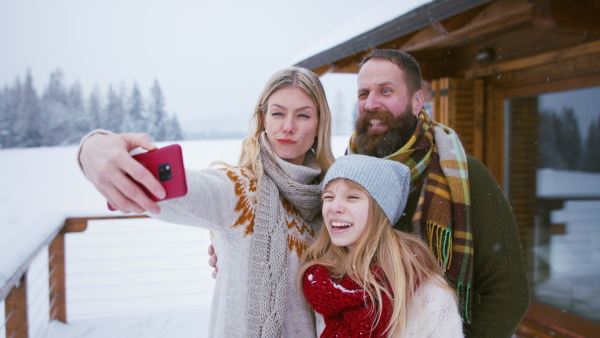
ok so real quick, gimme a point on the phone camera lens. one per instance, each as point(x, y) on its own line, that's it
point(164, 172)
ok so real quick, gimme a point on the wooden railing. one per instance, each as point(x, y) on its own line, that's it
point(14, 292)
point(540, 321)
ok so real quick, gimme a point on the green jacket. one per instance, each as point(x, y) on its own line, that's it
point(500, 285)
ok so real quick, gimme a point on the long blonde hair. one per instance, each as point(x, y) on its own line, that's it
point(405, 259)
point(311, 85)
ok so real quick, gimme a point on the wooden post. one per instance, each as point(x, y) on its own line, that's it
point(16, 310)
point(56, 266)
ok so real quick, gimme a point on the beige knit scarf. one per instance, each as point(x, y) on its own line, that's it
point(269, 252)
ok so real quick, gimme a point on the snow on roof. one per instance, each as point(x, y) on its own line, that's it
point(373, 16)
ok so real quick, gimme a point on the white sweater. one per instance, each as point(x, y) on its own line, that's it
point(432, 314)
point(224, 201)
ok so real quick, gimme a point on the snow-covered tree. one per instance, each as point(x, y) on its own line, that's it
point(77, 118)
point(173, 129)
point(570, 144)
point(55, 110)
point(31, 107)
point(114, 113)
point(94, 110)
point(62, 117)
point(6, 120)
point(157, 116)
point(135, 117)
point(591, 152)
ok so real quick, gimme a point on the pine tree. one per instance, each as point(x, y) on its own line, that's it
point(94, 110)
point(157, 117)
point(135, 119)
point(173, 129)
point(548, 138)
point(77, 118)
point(114, 114)
point(55, 110)
point(21, 120)
point(6, 118)
point(31, 107)
point(591, 153)
point(570, 138)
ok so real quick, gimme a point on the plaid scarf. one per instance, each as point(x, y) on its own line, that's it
point(436, 159)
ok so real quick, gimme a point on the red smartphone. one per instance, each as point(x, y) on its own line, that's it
point(166, 164)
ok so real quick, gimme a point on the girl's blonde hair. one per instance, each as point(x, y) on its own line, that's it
point(406, 261)
point(311, 85)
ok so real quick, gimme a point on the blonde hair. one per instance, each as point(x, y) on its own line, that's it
point(405, 259)
point(311, 85)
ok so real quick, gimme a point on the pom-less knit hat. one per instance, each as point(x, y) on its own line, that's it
point(387, 181)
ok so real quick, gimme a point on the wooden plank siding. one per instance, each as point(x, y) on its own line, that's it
point(522, 159)
point(459, 103)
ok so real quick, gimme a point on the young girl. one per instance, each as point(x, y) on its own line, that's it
point(365, 278)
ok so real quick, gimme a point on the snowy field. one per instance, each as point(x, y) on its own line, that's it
point(125, 278)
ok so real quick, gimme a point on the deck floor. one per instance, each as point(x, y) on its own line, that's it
point(180, 323)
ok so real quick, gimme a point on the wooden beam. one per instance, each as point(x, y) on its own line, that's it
point(75, 225)
point(15, 306)
point(320, 71)
point(536, 60)
point(575, 16)
point(494, 21)
point(56, 267)
point(439, 29)
point(351, 68)
point(79, 224)
point(548, 321)
point(350, 64)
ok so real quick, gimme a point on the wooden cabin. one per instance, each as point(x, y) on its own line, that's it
point(509, 76)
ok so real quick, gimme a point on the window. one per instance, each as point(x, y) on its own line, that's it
point(553, 183)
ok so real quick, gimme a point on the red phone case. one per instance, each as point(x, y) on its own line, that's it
point(166, 164)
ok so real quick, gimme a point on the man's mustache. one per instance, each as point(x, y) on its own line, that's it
point(384, 116)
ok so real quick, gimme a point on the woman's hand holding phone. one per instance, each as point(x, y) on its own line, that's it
point(166, 165)
point(106, 162)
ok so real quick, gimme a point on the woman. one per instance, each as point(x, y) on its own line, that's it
point(364, 277)
point(264, 212)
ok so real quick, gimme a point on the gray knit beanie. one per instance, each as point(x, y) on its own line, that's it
point(386, 180)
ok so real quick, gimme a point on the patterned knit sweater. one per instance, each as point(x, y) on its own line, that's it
point(346, 308)
point(224, 201)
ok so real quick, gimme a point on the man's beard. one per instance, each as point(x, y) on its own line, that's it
point(381, 144)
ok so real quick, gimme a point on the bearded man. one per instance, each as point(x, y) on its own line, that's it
point(455, 204)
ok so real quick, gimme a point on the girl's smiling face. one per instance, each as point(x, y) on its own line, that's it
point(345, 211)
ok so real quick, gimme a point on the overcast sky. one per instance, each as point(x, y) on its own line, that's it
point(211, 58)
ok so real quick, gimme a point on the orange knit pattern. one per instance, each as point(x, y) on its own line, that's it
point(244, 182)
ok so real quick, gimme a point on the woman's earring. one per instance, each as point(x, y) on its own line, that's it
point(316, 143)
